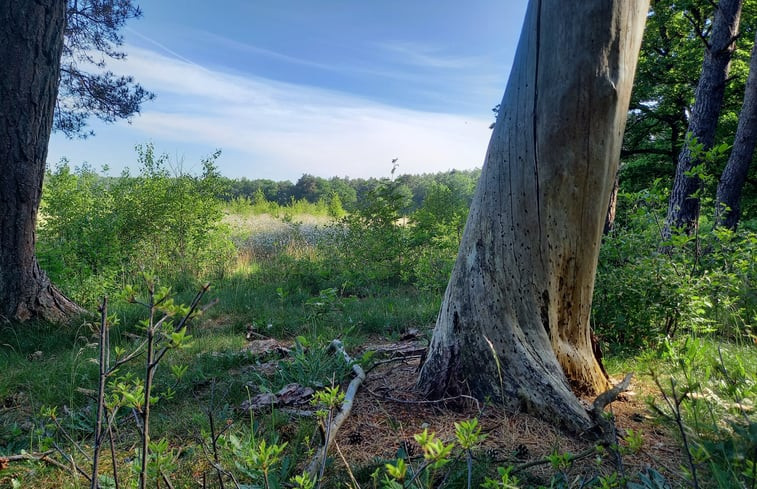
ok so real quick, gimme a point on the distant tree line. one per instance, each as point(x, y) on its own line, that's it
point(353, 193)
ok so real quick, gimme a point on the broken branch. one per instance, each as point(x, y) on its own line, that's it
point(345, 410)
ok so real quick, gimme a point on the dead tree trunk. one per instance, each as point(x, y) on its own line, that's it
point(31, 42)
point(683, 206)
point(728, 198)
point(612, 207)
point(514, 323)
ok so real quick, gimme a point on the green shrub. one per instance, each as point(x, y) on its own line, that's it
point(370, 246)
point(437, 227)
point(647, 289)
point(97, 233)
point(708, 389)
point(78, 241)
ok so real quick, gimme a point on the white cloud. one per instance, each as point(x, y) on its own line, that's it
point(418, 64)
point(425, 55)
point(280, 130)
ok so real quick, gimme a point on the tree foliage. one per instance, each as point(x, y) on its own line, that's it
point(353, 192)
point(669, 67)
point(643, 296)
point(87, 87)
point(98, 232)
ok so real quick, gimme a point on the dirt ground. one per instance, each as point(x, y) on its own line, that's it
point(387, 412)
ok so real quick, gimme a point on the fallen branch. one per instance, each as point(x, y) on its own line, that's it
point(69, 459)
point(304, 413)
point(37, 457)
point(398, 358)
point(25, 456)
point(544, 461)
point(166, 480)
point(344, 412)
point(344, 460)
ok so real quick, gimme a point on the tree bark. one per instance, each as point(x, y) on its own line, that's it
point(728, 197)
point(31, 42)
point(683, 206)
point(514, 323)
point(612, 207)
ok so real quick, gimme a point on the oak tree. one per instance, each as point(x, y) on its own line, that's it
point(731, 184)
point(684, 203)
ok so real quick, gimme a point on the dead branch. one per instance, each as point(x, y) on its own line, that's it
point(25, 456)
point(349, 470)
point(38, 457)
point(166, 480)
point(544, 461)
point(397, 358)
point(304, 413)
point(344, 412)
point(609, 396)
point(606, 426)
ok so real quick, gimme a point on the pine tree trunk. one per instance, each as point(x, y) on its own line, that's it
point(514, 323)
point(728, 199)
point(683, 206)
point(31, 42)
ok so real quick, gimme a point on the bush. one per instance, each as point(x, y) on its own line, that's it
point(437, 229)
point(97, 233)
point(647, 289)
point(77, 240)
point(374, 245)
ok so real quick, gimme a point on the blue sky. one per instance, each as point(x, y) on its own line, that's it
point(329, 87)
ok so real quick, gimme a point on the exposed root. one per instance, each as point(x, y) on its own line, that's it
point(606, 426)
point(444, 400)
point(49, 304)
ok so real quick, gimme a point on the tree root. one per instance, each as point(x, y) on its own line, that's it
point(606, 426)
point(443, 400)
point(344, 412)
point(47, 303)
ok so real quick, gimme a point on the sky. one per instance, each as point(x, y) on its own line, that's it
point(327, 87)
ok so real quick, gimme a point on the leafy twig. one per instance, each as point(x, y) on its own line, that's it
point(674, 404)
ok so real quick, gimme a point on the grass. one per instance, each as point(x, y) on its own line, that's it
point(29, 357)
point(712, 386)
point(214, 381)
point(282, 287)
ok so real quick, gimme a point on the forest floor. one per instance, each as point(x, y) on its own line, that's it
point(388, 411)
point(386, 414)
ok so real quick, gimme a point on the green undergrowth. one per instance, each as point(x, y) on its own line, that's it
point(713, 381)
point(648, 290)
point(705, 389)
point(688, 305)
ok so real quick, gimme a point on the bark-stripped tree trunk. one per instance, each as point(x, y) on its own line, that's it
point(683, 206)
point(728, 199)
point(31, 42)
point(514, 324)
